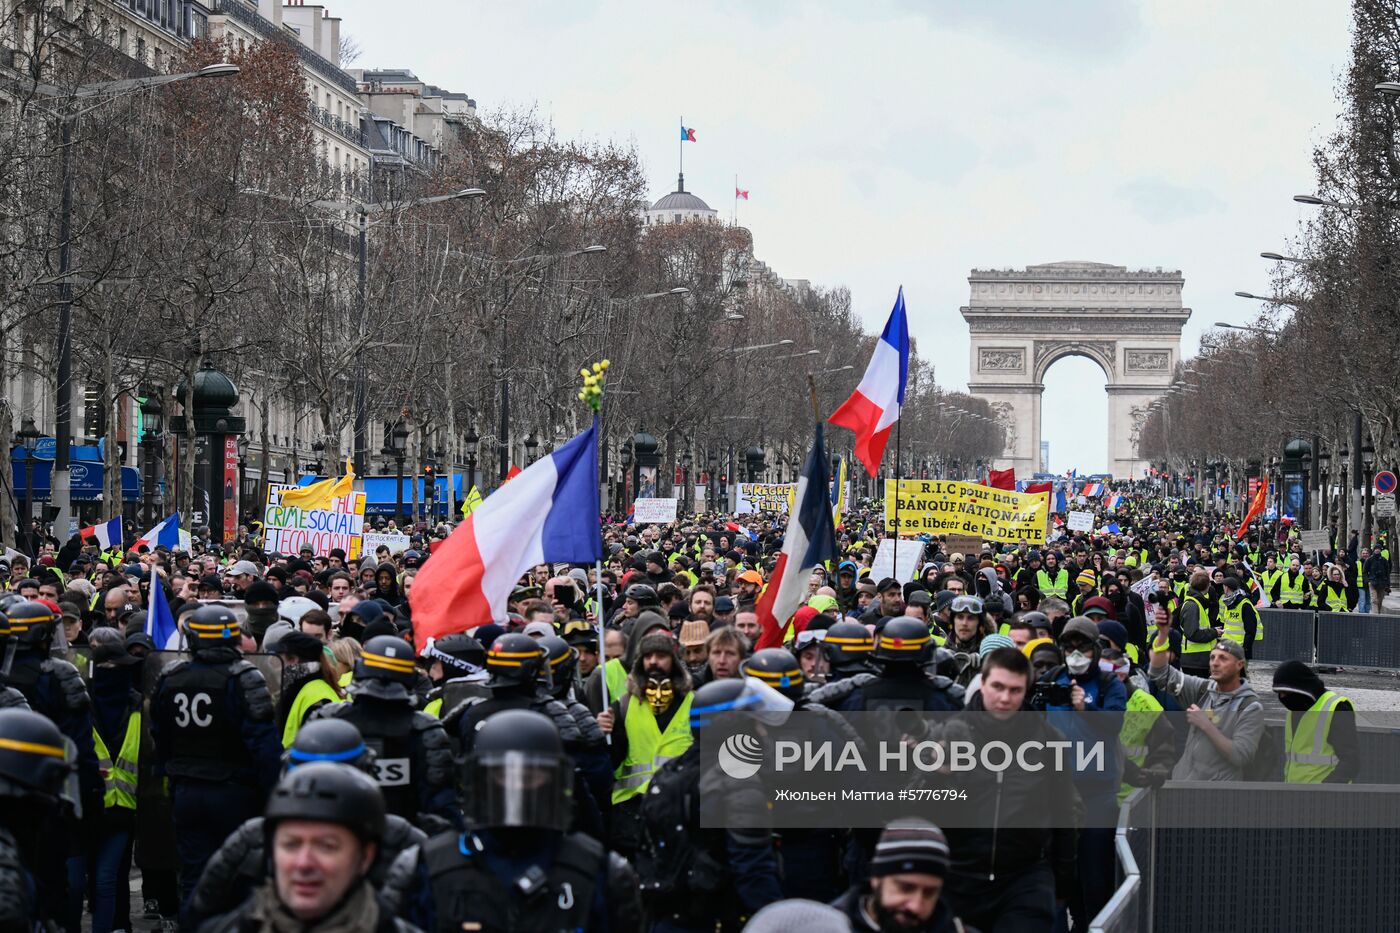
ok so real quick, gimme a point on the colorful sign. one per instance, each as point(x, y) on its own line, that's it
point(941, 507)
point(232, 494)
point(286, 528)
point(764, 497)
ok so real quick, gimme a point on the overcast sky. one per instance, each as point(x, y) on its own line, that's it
point(890, 142)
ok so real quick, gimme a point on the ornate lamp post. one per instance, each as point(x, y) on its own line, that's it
point(28, 437)
point(398, 448)
point(532, 446)
point(473, 442)
point(152, 430)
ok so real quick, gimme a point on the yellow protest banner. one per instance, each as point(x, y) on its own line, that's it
point(943, 507)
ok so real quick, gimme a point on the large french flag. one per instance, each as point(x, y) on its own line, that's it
point(874, 406)
point(166, 534)
point(108, 534)
point(548, 513)
point(810, 540)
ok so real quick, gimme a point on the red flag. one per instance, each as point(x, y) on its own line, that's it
point(1256, 508)
point(741, 193)
point(1002, 479)
point(511, 474)
point(1035, 488)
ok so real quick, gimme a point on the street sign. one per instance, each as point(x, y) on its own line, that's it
point(1385, 505)
point(1385, 482)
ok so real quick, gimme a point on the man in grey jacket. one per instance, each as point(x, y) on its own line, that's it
point(1225, 716)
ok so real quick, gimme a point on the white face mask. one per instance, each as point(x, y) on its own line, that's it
point(1078, 662)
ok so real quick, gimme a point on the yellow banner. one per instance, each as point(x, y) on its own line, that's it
point(943, 507)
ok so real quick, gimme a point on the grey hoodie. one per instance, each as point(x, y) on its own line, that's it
point(994, 590)
point(1238, 714)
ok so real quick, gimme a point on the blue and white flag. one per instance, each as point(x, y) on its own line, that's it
point(160, 622)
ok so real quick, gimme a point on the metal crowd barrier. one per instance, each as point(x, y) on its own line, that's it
point(1247, 877)
point(1288, 635)
point(1358, 639)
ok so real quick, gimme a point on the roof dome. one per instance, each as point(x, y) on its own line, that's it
point(681, 200)
point(212, 389)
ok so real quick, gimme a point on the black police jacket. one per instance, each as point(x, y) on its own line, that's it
point(212, 720)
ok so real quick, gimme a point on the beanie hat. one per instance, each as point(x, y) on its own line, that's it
point(910, 846)
point(1029, 647)
point(992, 642)
point(798, 914)
point(1081, 626)
point(1114, 632)
point(260, 591)
point(1086, 578)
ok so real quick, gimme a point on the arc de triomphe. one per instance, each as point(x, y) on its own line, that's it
point(1022, 321)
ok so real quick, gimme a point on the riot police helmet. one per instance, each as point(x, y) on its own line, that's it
point(31, 623)
point(562, 659)
point(515, 659)
point(903, 639)
point(326, 792)
point(736, 695)
point(847, 643)
point(519, 773)
point(777, 668)
point(335, 740)
point(385, 669)
point(211, 627)
point(35, 759)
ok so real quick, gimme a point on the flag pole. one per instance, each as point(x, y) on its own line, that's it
point(898, 437)
point(736, 199)
point(592, 396)
point(680, 152)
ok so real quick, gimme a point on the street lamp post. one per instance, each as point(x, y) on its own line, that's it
point(28, 437)
point(152, 425)
point(398, 447)
point(60, 479)
point(473, 442)
point(532, 446)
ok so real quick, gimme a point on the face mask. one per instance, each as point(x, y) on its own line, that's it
point(659, 693)
point(1078, 662)
point(1295, 702)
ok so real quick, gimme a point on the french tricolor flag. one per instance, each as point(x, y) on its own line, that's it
point(874, 406)
point(547, 514)
point(1092, 489)
point(810, 540)
point(108, 534)
point(166, 534)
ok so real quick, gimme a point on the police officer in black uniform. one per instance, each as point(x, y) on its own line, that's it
point(457, 668)
point(901, 648)
point(212, 722)
point(517, 869)
point(591, 754)
point(241, 864)
point(413, 759)
point(847, 647)
point(518, 672)
point(35, 764)
point(52, 687)
point(697, 879)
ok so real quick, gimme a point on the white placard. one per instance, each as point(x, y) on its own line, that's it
point(910, 554)
point(1315, 540)
point(1385, 505)
point(397, 544)
point(1080, 521)
point(654, 510)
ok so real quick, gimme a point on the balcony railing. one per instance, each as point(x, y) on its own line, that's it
point(330, 121)
point(251, 18)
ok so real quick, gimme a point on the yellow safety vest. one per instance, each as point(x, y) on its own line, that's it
point(1268, 577)
point(1336, 601)
point(121, 774)
point(1203, 615)
point(1232, 620)
point(1291, 594)
point(434, 708)
point(313, 691)
point(615, 675)
point(1058, 587)
point(648, 748)
point(1141, 716)
point(1308, 755)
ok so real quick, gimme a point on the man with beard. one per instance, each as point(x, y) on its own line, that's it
point(260, 599)
point(846, 585)
point(702, 602)
point(749, 583)
point(649, 725)
point(692, 637)
point(906, 883)
point(889, 602)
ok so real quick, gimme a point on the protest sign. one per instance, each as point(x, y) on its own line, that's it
point(654, 510)
point(763, 497)
point(1080, 521)
point(941, 507)
point(910, 553)
point(970, 545)
point(396, 544)
point(286, 528)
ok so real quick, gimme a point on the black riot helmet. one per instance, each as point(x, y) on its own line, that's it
point(460, 654)
point(562, 659)
point(31, 624)
point(35, 760)
point(777, 668)
point(519, 774)
point(211, 627)
point(848, 644)
point(334, 740)
point(385, 669)
point(326, 792)
point(515, 659)
point(643, 594)
point(903, 639)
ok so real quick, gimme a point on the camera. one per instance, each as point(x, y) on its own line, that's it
point(1046, 693)
point(1160, 598)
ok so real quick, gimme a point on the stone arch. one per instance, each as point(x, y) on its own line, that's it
point(1022, 321)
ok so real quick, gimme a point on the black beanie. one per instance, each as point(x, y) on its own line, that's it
point(910, 846)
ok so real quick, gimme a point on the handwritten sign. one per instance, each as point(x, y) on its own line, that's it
point(286, 528)
point(654, 510)
point(764, 497)
point(941, 507)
